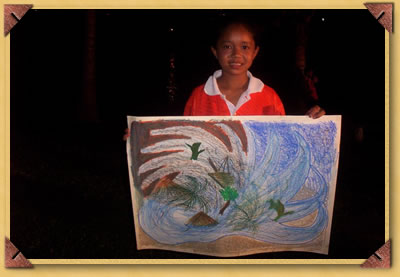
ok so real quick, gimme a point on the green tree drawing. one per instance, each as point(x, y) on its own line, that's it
point(195, 150)
point(228, 194)
point(226, 181)
point(279, 208)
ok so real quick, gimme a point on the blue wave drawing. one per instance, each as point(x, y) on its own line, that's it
point(283, 159)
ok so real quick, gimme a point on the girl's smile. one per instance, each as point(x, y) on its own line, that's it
point(235, 65)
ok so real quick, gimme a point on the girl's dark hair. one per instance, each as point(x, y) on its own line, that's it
point(223, 22)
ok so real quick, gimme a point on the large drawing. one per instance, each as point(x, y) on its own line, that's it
point(229, 186)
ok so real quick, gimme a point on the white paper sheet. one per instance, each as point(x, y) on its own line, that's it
point(231, 186)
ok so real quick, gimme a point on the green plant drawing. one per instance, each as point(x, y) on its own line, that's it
point(246, 215)
point(189, 195)
point(223, 179)
point(195, 150)
point(279, 208)
point(229, 193)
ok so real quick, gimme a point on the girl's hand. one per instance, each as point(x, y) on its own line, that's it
point(127, 134)
point(316, 112)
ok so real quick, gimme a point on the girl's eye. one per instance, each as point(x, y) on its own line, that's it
point(245, 47)
point(226, 47)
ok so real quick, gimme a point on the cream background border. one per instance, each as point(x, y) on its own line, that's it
point(257, 269)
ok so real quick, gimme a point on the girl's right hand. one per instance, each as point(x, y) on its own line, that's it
point(127, 134)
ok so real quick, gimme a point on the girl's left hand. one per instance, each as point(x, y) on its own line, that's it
point(316, 112)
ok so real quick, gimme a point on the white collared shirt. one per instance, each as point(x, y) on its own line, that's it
point(211, 88)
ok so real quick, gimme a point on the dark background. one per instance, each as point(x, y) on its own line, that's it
point(70, 193)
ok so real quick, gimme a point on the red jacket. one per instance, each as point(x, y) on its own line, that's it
point(264, 102)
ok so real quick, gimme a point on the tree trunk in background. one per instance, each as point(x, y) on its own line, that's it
point(301, 41)
point(88, 108)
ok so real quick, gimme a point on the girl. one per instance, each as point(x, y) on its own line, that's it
point(233, 90)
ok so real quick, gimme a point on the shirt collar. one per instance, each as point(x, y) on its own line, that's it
point(211, 86)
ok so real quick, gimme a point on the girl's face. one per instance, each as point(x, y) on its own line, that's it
point(235, 50)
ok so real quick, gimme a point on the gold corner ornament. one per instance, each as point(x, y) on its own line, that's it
point(383, 12)
point(13, 257)
point(13, 14)
point(380, 259)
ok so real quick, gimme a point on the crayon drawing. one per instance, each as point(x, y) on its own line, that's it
point(233, 186)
